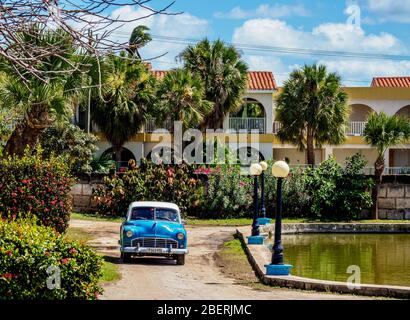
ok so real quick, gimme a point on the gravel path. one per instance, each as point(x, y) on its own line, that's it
point(200, 278)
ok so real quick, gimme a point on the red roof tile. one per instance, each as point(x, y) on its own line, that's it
point(398, 82)
point(257, 80)
point(261, 80)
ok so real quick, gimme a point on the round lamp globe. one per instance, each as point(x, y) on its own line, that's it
point(255, 169)
point(264, 165)
point(280, 169)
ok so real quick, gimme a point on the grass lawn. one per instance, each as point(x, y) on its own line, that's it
point(109, 270)
point(94, 217)
point(192, 221)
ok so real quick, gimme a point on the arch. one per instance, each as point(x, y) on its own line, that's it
point(404, 112)
point(359, 112)
point(250, 108)
point(126, 155)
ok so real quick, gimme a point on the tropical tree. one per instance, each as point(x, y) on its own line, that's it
point(181, 98)
point(139, 38)
point(224, 75)
point(121, 106)
point(312, 109)
point(41, 100)
point(383, 132)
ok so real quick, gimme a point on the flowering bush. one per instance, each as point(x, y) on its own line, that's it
point(41, 187)
point(149, 182)
point(32, 256)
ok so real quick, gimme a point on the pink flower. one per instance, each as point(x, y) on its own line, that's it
point(73, 251)
point(65, 261)
point(13, 194)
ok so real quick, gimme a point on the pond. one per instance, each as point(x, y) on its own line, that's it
point(383, 258)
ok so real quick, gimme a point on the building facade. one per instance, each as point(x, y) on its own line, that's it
point(257, 116)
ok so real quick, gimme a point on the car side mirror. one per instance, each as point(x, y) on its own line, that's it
point(183, 221)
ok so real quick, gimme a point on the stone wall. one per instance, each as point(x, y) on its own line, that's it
point(82, 197)
point(394, 201)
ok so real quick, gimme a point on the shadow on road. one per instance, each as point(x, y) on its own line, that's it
point(144, 261)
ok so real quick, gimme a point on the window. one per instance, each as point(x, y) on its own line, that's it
point(150, 213)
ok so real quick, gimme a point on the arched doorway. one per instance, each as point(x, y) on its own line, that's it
point(251, 116)
point(357, 119)
point(400, 157)
point(126, 155)
point(404, 112)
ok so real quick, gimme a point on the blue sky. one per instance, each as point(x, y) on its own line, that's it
point(298, 24)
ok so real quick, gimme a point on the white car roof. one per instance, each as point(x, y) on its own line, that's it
point(156, 204)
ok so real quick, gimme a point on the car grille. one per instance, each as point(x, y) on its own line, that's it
point(154, 243)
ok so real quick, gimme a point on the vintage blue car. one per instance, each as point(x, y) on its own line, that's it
point(153, 229)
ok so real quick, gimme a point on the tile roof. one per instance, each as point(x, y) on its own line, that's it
point(257, 80)
point(398, 82)
point(261, 80)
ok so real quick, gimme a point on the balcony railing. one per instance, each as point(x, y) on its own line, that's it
point(354, 128)
point(151, 126)
point(248, 124)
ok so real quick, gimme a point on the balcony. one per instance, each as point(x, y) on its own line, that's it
point(354, 128)
point(248, 124)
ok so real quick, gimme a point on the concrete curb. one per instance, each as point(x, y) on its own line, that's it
point(258, 256)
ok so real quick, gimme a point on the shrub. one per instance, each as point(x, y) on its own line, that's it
point(70, 140)
point(329, 191)
point(149, 182)
point(41, 187)
point(27, 251)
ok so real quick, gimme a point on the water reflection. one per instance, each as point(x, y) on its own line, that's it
point(383, 259)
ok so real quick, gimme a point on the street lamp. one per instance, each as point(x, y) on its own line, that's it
point(255, 238)
point(280, 170)
point(263, 220)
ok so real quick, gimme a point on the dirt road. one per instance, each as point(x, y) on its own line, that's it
point(199, 278)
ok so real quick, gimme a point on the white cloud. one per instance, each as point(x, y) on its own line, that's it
point(329, 37)
point(390, 10)
point(265, 11)
point(181, 26)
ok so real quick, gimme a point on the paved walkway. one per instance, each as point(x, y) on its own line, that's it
point(199, 278)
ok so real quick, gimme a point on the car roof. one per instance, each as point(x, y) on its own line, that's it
point(156, 204)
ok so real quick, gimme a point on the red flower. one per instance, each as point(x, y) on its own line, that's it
point(7, 276)
point(73, 251)
point(65, 261)
point(46, 253)
point(9, 253)
point(13, 194)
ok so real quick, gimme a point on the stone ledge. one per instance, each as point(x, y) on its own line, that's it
point(258, 256)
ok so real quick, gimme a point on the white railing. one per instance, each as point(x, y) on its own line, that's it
point(248, 124)
point(355, 128)
point(151, 126)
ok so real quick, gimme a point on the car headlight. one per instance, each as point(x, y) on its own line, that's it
point(180, 236)
point(129, 233)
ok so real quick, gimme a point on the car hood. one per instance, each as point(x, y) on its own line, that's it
point(154, 228)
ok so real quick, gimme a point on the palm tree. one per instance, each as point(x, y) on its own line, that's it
point(223, 73)
point(121, 106)
point(181, 98)
point(312, 109)
point(383, 132)
point(139, 38)
point(41, 100)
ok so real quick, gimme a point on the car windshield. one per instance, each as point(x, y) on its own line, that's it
point(150, 213)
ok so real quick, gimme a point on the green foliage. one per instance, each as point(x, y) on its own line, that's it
point(27, 250)
point(181, 98)
point(329, 191)
point(32, 184)
point(312, 109)
point(122, 105)
point(149, 182)
point(223, 73)
point(383, 131)
point(68, 139)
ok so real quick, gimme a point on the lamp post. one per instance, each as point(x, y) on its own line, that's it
point(263, 220)
point(255, 238)
point(280, 170)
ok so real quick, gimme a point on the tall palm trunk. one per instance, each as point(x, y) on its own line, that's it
point(378, 172)
point(310, 148)
point(117, 152)
point(28, 131)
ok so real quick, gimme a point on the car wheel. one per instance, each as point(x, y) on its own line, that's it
point(126, 257)
point(181, 259)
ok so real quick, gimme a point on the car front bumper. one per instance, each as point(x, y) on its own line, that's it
point(153, 251)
